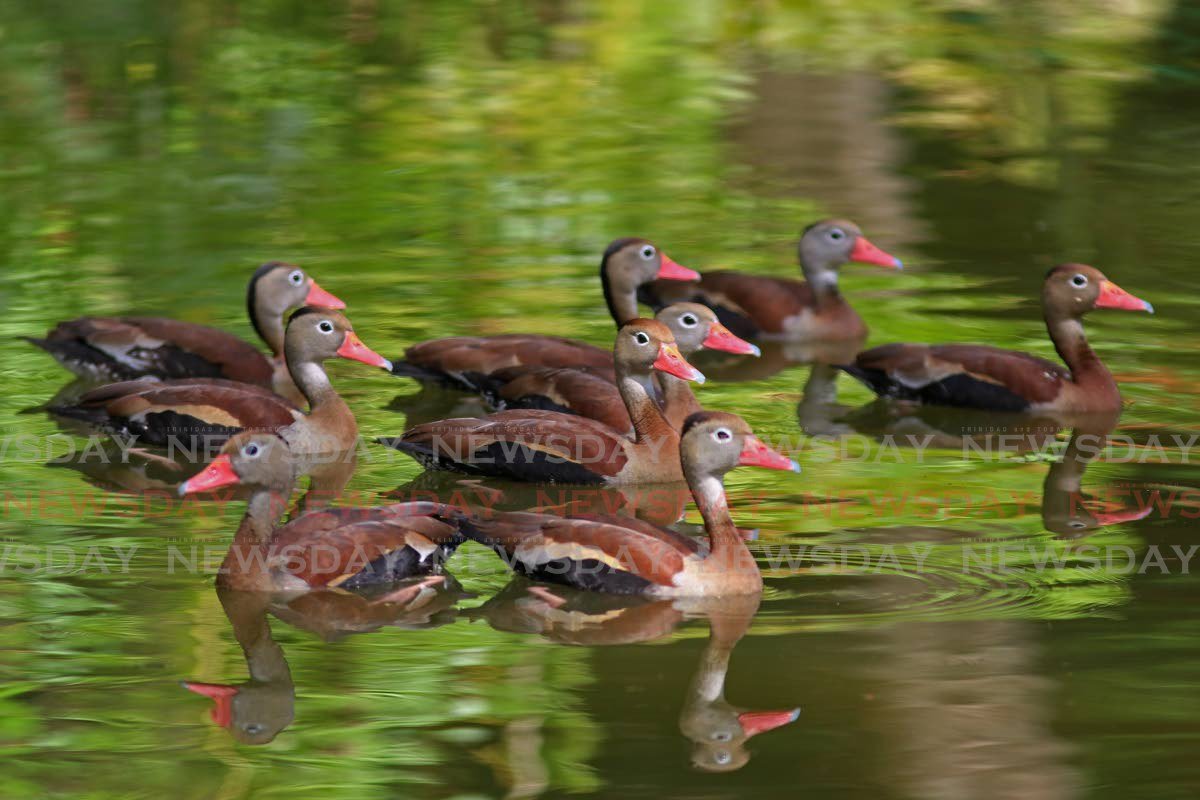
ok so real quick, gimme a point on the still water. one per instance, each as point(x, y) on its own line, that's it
point(458, 168)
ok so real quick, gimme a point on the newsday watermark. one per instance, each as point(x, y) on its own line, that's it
point(584, 448)
point(990, 558)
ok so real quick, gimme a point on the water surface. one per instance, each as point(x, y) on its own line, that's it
point(459, 168)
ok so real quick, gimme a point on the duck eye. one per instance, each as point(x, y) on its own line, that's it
point(1075, 523)
point(723, 757)
point(648, 252)
point(837, 234)
point(1079, 280)
point(722, 434)
point(721, 736)
point(641, 338)
point(325, 326)
point(689, 320)
point(251, 451)
point(296, 277)
point(254, 729)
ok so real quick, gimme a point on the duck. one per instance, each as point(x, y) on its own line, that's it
point(984, 377)
point(593, 393)
point(185, 413)
point(623, 555)
point(761, 306)
point(553, 447)
point(345, 548)
point(459, 361)
point(108, 349)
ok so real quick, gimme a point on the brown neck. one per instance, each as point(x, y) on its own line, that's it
point(309, 376)
point(1086, 368)
point(649, 424)
point(243, 561)
point(269, 325)
point(248, 614)
point(621, 300)
point(709, 493)
point(822, 278)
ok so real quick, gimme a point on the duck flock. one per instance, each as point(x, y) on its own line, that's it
point(564, 412)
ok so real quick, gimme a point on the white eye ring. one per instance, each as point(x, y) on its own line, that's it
point(1076, 523)
point(837, 234)
point(1079, 280)
point(722, 435)
point(648, 252)
point(251, 451)
point(296, 277)
point(688, 320)
point(641, 338)
point(325, 326)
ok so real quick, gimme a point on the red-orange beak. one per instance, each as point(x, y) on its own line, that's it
point(672, 362)
point(721, 338)
point(353, 349)
point(757, 454)
point(1123, 515)
point(866, 253)
point(222, 697)
point(319, 297)
point(756, 722)
point(218, 473)
point(1113, 296)
point(670, 271)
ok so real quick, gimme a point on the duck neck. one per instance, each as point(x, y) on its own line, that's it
point(1087, 370)
point(824, 283)
point(822, 278)
point(263, 512)
point(637, 391)
point(708, 490)
point(269, 326)
point(621, 300)
point(309, 376)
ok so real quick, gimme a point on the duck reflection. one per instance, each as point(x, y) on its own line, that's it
point(718, 730)
point(255, 711)
point(1066, 509)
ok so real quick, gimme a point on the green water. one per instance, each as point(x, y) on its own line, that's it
point(458, 168)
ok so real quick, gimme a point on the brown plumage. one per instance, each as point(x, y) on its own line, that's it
point(593, 393)
point(460, 361)
point(123, 348)
point(340, 547)
point(627, 556)
point(984, 377)
point(549, 446)
point(188, 412)
point(759, 305)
